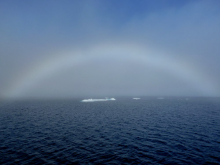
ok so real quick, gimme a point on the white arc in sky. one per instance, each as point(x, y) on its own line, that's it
point(95, 54)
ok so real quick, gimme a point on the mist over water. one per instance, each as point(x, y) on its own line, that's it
point(125, 131)
point(82, 48)
point(54, 54)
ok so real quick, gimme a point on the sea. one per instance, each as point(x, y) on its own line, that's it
point(171, 130)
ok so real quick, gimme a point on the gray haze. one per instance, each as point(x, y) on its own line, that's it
point(64, 49)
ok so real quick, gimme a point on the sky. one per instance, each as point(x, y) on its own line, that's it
point(109, 48)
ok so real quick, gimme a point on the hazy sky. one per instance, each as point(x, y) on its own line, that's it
point(90, 48)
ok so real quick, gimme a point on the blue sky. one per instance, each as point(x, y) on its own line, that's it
point(183, 31)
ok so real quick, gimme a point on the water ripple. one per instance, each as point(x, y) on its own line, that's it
point(122, 132)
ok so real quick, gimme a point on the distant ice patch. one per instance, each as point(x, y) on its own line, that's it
point(93, 100)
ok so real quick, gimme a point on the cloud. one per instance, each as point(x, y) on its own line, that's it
point(34, 32)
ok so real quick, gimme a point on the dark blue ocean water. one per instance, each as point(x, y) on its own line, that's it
point(125, 131)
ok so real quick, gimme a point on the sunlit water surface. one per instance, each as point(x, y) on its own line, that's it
point(125, 131)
